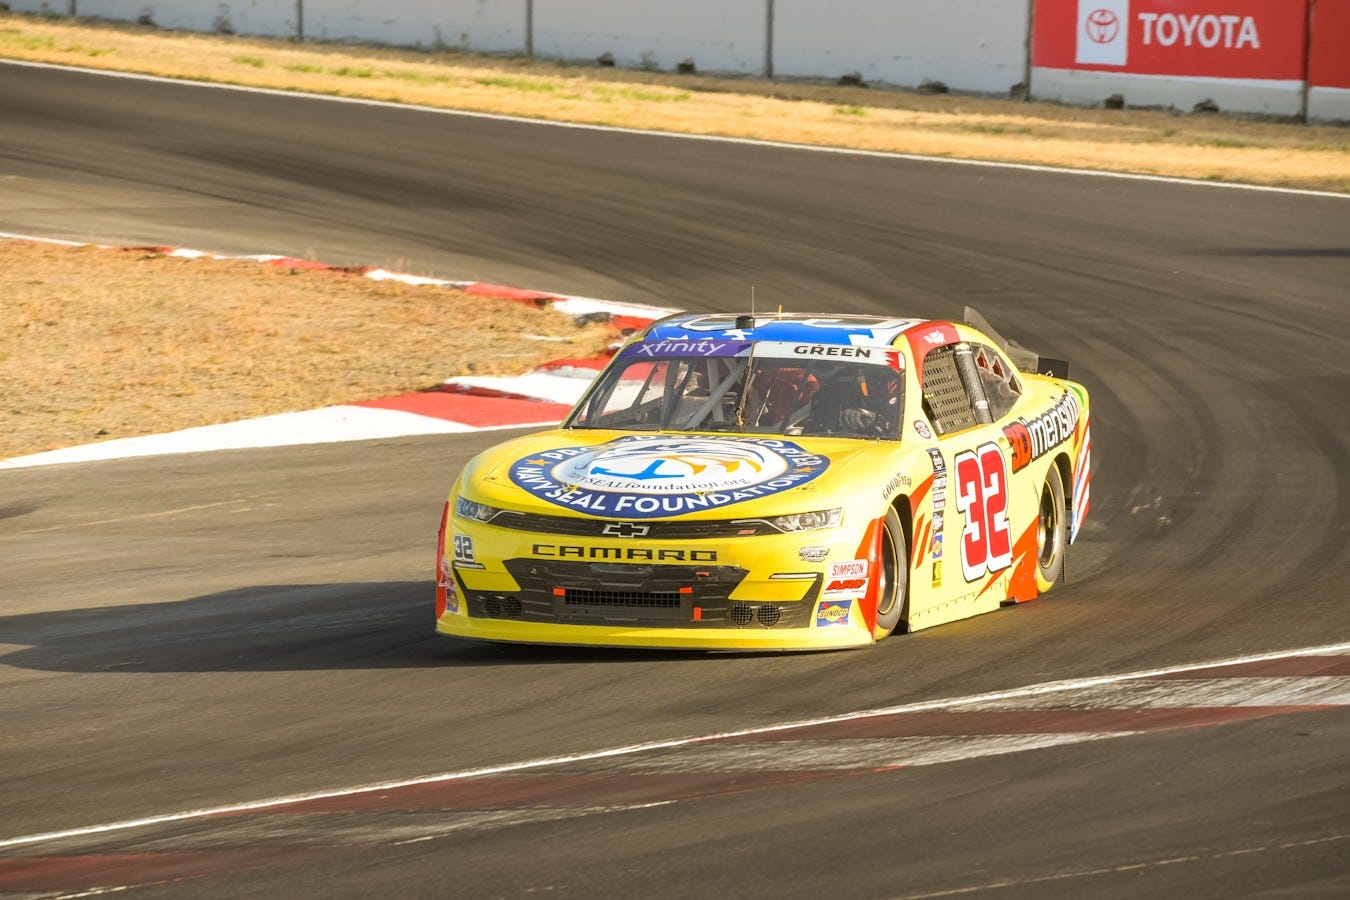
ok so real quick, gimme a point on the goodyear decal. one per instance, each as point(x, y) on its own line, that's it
point(832, 612)
point(1033, 438)
point(649, 476)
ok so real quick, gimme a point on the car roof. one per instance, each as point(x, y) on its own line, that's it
point(865, 331)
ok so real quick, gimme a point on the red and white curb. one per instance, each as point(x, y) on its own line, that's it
point(874, 742)
point(539, 398)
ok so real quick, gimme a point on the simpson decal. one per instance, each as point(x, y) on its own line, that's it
point(1033, 438)
point(847, 578)
point(854, 568)
point(643, 477)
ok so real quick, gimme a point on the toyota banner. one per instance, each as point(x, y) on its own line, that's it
point(1247, 39)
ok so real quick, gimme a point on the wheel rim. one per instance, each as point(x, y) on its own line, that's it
point(887, 596)
point(1047, 528)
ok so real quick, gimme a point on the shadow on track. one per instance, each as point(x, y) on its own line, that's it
point(381, 625)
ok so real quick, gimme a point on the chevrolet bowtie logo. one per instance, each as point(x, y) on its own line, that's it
point(626, 529)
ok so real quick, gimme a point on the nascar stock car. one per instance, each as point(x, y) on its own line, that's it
point(774, 482)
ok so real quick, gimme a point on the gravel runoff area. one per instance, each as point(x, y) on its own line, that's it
point(100, 343)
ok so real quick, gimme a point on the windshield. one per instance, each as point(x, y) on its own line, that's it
point(748, 393)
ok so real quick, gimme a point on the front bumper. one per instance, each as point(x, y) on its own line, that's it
point(748, 593)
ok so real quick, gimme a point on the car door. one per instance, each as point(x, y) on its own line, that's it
point(980, 520)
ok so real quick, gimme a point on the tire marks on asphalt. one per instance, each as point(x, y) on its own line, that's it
point(200, 843)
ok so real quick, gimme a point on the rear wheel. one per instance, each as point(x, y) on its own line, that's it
point(1051, 541)
point(893, 577)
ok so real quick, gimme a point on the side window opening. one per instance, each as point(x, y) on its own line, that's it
point(999, 383)
point(946, 397)
point(967, 384)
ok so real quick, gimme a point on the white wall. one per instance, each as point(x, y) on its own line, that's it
point(718, 35)
point(1329, 104)
point(970, 45)
point(274, 18)
point(491, 26)
point(1090, 88)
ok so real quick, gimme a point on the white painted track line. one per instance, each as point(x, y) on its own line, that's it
point(967, 702)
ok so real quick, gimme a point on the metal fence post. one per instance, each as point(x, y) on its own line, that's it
point(1030, 49)
point(529, 28)
point(299, 20)
point(1307, 64)
point(768, 38)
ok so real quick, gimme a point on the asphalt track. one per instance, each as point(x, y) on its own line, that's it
point(189, 631)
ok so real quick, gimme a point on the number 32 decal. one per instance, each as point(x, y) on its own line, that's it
point(982, 498)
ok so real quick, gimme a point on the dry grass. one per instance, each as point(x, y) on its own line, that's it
point(98, 344)
point(1154, 142)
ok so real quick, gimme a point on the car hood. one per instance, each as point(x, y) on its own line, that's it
point(647, 476)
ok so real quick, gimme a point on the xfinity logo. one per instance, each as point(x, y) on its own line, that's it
point(626, 529)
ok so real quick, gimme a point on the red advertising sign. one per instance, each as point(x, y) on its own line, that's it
point(1247, 39)
point(1329, 55)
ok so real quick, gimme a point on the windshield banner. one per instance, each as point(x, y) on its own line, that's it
point(683, 348)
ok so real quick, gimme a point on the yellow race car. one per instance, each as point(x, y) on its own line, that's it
point(774, 482)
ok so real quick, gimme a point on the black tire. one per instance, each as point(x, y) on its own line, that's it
point(892, 576)
point(1051, 533)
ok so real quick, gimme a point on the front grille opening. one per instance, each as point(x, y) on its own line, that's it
point(768, 615)
point(640, 599)
point(741, 614)
point(502, 606)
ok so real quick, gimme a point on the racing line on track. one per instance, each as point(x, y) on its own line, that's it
point(196, 843)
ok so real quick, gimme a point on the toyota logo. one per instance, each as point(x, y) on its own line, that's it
point(1102, 26)
point(626, 529)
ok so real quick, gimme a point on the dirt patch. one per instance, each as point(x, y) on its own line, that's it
point(1203, 146)
point(98, 344)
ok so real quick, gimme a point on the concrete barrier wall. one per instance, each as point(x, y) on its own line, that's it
point(490, 26)
point(1241, 55)
point(269, 18)
point(969, 45)
point(718, 35)
point(1329, 61)
point(1283, 57)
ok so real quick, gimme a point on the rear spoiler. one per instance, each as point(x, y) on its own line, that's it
point(1024, 359)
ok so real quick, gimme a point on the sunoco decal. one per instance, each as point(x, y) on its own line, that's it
point(1031, 439)
point(832, 612)
point(643, 477)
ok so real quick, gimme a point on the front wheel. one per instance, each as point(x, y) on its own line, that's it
point(893, 578)
point(1051, 540)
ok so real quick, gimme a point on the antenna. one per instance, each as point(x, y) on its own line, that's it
point(743, 321)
